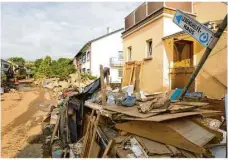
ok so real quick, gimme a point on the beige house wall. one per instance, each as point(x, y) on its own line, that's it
point(209, 11)
point(151, 78)
point(212, 79)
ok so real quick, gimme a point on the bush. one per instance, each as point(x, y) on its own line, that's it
point(85, 76)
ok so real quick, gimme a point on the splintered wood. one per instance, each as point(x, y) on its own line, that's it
point(182, 134)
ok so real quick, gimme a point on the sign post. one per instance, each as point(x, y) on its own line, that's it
point(203, 35)
point(195, 29)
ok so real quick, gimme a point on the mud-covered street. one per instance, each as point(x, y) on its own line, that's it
point(21, 122)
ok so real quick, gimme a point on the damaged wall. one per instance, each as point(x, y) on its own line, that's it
point(212, 79)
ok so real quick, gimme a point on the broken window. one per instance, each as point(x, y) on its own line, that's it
point(129, 53)
point(149, 48)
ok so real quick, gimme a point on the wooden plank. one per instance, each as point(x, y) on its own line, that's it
point(181, 108)
point(198, 104)
point(131, 111)
point(102, 85)
point(169, 134)
point(95, 150)
point(93, 105)
point(191, 131)
point(168, 116)
point(94, 134)
point(84, 146)
point(153, 147)
point(107, 148)
point(174, 150)
point(137, 80)
point(55, 129)
point(131, 75)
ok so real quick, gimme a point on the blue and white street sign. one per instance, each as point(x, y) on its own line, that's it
point(195, 29)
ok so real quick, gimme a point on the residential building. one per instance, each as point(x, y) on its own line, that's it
point(5, 66)
point(6, 69)
point(167, 56)
point(106, 50)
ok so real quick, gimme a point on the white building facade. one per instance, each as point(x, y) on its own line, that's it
point(106, 50)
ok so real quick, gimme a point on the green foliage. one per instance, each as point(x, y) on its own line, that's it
point(85, 76)
point(3, 77)
point(62, 68)
point(38, 62)
point(44, 70)
point(47, 68)
point(17, 60)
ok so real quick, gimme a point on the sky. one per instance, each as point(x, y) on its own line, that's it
point(34, 30)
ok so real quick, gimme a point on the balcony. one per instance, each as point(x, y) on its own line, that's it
point(116, 62)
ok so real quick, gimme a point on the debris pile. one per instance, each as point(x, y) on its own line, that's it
point(100, 122)
point(57, 86)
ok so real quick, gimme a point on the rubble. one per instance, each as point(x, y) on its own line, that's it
point(131, 124)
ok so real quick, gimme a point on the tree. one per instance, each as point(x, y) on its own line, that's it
point(62, 68)
point(17, 60)
point(38, 62)
point(45, 70)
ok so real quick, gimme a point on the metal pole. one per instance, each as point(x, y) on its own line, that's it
point(217, 35)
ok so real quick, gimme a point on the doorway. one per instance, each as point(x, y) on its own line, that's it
point(182, 64)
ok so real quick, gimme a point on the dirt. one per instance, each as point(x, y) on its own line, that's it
point(21, 122)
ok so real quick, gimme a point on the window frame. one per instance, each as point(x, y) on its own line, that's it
point(88, 56)
point(149, 52)
point(120, 70)
point(129, 53)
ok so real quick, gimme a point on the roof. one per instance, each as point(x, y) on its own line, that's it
point(2, 60)
point(103, 36)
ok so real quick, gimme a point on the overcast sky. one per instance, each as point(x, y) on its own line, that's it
point(33, 30)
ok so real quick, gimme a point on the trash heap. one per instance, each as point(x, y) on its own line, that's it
point(133, 125)
point(57, 86)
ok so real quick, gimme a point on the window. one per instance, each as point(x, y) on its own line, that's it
point(84, 58)
point(120, 72)
point(80, 60)
point(88, 70)
point(83, 70)
point(120, 55)
point(88, 55)
point(5, 66)
point(149, 48)
point(129, 53)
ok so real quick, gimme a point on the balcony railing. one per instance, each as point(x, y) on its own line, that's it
point(115, 62)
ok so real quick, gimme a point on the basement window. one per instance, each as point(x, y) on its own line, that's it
point(129, 53)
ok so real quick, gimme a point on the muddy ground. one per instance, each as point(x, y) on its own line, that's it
point(21, 122)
